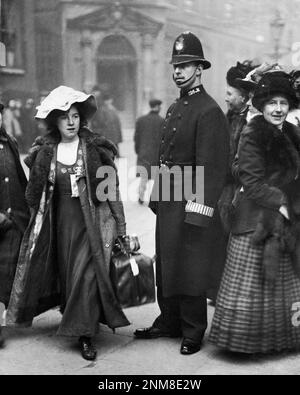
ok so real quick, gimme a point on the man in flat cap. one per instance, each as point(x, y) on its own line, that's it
point(188, 230)
point(146, 143)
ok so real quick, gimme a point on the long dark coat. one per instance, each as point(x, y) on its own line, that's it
point(36, 287)
point(147, 139)
point(13, 205)
point(191, 246)
point(268, 169)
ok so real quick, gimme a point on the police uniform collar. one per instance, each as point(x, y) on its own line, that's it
point(192, 91)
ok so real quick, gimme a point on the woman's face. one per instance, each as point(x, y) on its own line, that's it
point(276, 110)
point(68, 124)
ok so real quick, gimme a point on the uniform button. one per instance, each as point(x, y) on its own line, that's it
point(6, 179)
point(185, 102)
point(162, 141)
point(51, 188)
point(107, 245)
point(179, 116)
point(8, 210)
point(174, 129)
point(1, 146)
point(171, 144)
point(169, 114)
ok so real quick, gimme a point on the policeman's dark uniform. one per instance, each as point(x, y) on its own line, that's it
point(189, 236)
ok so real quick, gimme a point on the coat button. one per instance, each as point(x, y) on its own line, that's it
point(1, 146)
point(6, 179)
point(172, 145)
point(51, 188)
point(185, 102)
point(174, 129)
point(8, 210)
point(179, 116)
point(107, 245)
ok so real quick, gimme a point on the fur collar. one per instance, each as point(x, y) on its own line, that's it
point(281, 147)
point(99, 151)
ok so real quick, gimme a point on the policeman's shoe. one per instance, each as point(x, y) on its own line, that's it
point(189, 346)
point(153, 333)
point(87, 348)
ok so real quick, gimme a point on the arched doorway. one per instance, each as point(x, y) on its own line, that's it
point(116, 74)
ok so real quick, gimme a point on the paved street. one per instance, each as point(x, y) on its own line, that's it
point(38, 350)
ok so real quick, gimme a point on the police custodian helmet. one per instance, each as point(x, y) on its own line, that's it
point(187, 48)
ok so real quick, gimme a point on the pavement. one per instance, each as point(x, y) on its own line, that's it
point(38, 351)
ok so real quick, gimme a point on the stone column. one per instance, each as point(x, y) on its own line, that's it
point(147, 46)
point(87, 60)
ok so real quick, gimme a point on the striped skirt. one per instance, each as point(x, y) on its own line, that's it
point(252, 316)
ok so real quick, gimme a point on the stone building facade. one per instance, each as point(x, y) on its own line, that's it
point(125, 46)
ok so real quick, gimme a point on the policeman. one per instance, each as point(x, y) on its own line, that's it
point(189, 236)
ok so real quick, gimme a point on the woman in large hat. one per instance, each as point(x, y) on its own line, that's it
point(66, 250)
point(257, 308)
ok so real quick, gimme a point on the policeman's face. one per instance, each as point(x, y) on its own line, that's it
point(186, 75)
point(275, 110)
point(234, 99)
point(68, 124)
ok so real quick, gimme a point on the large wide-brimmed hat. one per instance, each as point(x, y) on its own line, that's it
point(62, 98)
point(238, 72)
point(188, 48)
point(273, 83)
point(251, 80)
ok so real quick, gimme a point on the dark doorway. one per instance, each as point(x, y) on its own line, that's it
point(116, 74)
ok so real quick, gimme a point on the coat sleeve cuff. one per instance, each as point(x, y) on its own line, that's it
point(198, 214)
point(121, 229)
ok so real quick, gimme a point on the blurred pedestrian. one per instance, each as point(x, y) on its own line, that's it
point(257, 304)
point(14, 214)
point(11, 119)
point(146, 143)
point(28, 124)
point(66, 250)
point(189, 236)
point(113, 129)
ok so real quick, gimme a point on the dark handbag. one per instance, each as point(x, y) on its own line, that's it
point(132, 276)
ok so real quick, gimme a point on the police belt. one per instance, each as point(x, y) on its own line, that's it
point(170, 164)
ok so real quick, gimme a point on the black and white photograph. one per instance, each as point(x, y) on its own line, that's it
point(149, 190)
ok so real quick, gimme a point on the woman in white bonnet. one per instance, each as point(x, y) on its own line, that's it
point(66, 250)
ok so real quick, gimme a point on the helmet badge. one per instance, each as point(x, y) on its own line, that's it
point(179, 45)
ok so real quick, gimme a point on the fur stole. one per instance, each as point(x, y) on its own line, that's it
point(100, 151)
point(279, 147)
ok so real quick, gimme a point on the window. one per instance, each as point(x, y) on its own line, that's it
point(11, 32)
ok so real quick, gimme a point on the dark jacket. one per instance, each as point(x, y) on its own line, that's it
point(36, 287)
point(236, 122)
point(13, 210)
point(190, 248)
point(147, 139)
point(268, 171)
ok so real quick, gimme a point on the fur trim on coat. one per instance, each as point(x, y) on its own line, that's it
point(100, 151)
point(277, 234)
point(280, 147)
